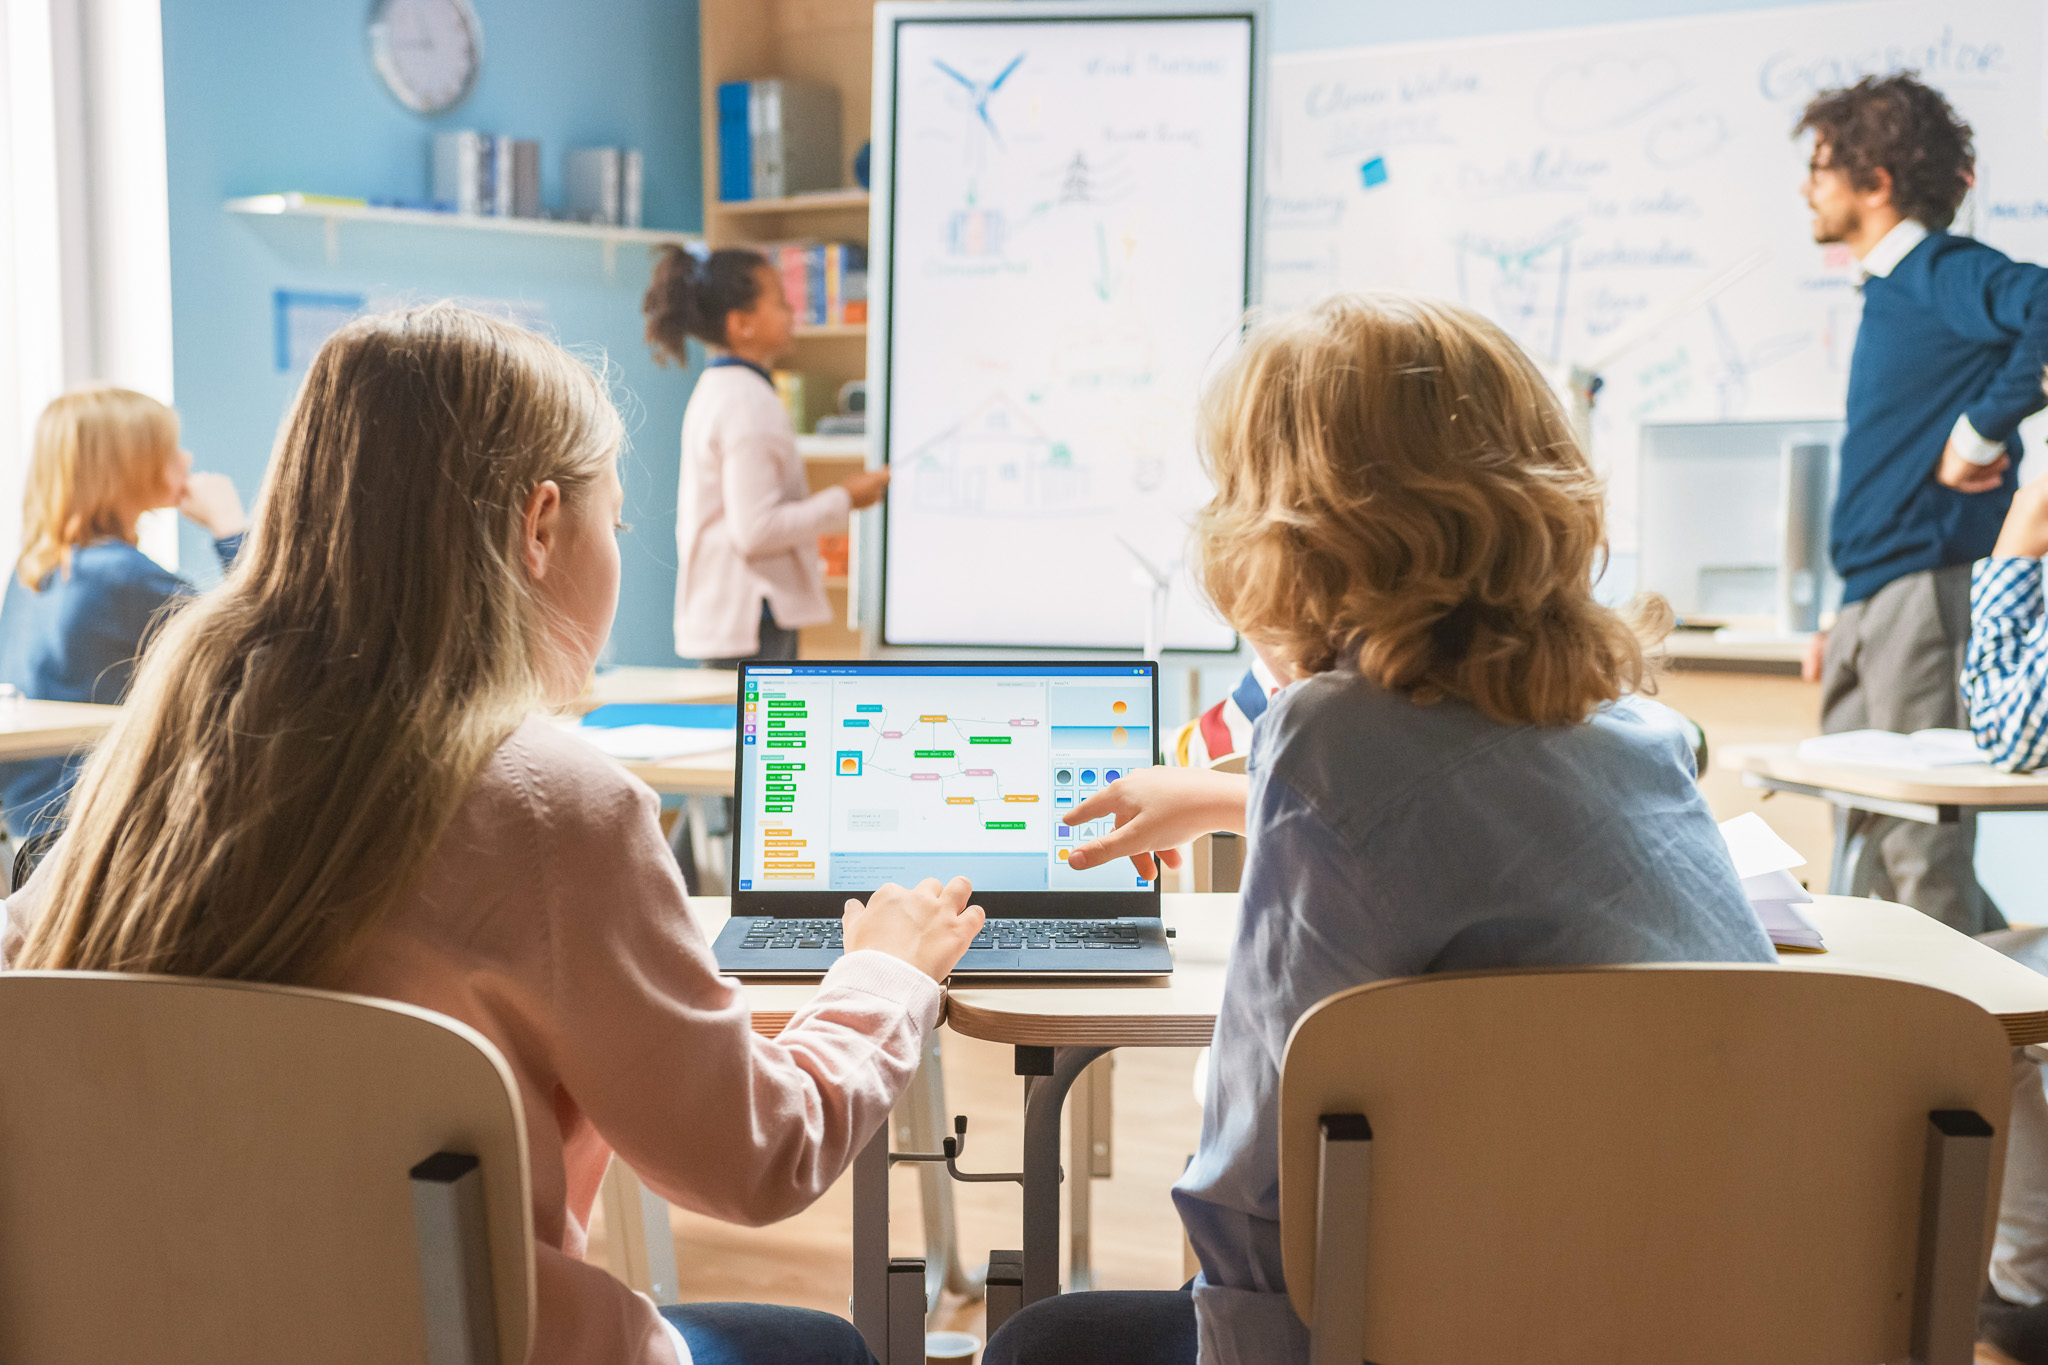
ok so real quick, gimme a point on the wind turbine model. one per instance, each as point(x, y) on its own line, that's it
point(1580, 383)
point(1160, 582)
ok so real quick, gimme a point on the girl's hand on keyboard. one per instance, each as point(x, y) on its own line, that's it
point(929, 926)
point(1158, 809)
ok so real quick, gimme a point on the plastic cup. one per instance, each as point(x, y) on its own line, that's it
point(950, 1348)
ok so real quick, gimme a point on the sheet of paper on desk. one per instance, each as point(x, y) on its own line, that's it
point(1763, 860)
point(653, 743)
point(1921, 749)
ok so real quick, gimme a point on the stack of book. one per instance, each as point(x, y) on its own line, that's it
point(826, 283)
point(484, 173)
point(777, 138)
point(604, 186)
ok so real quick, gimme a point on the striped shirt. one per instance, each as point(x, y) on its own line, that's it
point(2005, 678)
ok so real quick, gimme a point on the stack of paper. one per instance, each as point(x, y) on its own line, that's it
point(1762, 860)
point(653, 743)
point(1921, 749)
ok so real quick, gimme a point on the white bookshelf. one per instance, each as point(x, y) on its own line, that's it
point(333, 215)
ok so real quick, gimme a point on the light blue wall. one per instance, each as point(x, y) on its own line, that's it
point(264, 96)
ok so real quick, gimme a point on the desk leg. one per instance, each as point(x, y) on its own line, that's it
point(1850, 827)
point(1044, 1099)
point(871, 1243)
point(1080, 1183)
point(921, 1126)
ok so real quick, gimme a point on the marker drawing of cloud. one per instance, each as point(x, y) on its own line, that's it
point(1605, 92)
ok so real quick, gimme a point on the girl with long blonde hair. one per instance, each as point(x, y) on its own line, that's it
point(1460, 773)
point(83, 597)
point(329, 773)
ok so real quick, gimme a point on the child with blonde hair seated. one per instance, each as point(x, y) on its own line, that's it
point(1459, 774)
point(83, 596)
point(331, 774)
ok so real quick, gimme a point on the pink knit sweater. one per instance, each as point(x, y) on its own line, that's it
point(553, 922)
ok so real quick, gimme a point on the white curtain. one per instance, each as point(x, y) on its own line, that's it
point(85, 272)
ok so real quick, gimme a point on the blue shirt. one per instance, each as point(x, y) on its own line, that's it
point(1956, 328)
point(2005, 677)
point(1390, 839)
point(78, 640)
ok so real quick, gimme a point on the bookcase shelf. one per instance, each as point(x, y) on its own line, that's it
point(333, 215)
point(832, 449)
point(824, 201)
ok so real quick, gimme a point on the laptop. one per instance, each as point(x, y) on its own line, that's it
point(850, 775)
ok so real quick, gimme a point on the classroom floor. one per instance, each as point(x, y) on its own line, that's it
point(1137, 1244)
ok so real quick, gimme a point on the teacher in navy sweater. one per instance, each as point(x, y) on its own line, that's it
point(1948, 360)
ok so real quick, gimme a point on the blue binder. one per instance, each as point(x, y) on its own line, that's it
point(735, 142)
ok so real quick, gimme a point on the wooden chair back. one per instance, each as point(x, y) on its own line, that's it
point(1686, 1164)
point(205, 1173)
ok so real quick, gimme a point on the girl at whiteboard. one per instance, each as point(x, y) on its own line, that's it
point(747, 525)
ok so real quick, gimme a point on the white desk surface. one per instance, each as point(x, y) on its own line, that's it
point(640, 685)
point(50, 729)
point(1975, 784)
point(1709, 646)
point(1874, 938)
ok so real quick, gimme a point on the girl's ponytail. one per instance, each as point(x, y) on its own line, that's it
point(691, 295)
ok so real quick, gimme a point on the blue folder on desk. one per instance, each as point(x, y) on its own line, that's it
point(655, 732)
point(686, 715)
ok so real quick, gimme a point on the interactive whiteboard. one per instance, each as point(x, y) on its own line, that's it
point(1579, 185)
point(1064, 244)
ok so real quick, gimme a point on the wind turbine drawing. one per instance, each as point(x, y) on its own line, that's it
point(979, 92)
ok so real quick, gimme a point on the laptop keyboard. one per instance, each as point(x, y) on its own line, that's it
point(1015, 934)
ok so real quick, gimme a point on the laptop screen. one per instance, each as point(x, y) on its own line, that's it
point(851, 775)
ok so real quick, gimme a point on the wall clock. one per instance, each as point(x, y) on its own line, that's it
point(427, 51)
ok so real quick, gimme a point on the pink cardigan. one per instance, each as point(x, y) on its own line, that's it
point(747, 526)
point(553, 922)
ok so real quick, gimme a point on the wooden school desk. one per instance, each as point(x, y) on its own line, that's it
point(51, 729)
point(708, 774)
point(636, 686)
point(1058, 1029)
point(1935, 796)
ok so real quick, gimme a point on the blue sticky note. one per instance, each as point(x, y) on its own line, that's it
point(1374, 172)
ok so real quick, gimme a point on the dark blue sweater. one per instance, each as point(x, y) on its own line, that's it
point(78, 640)
point(1956, 328)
